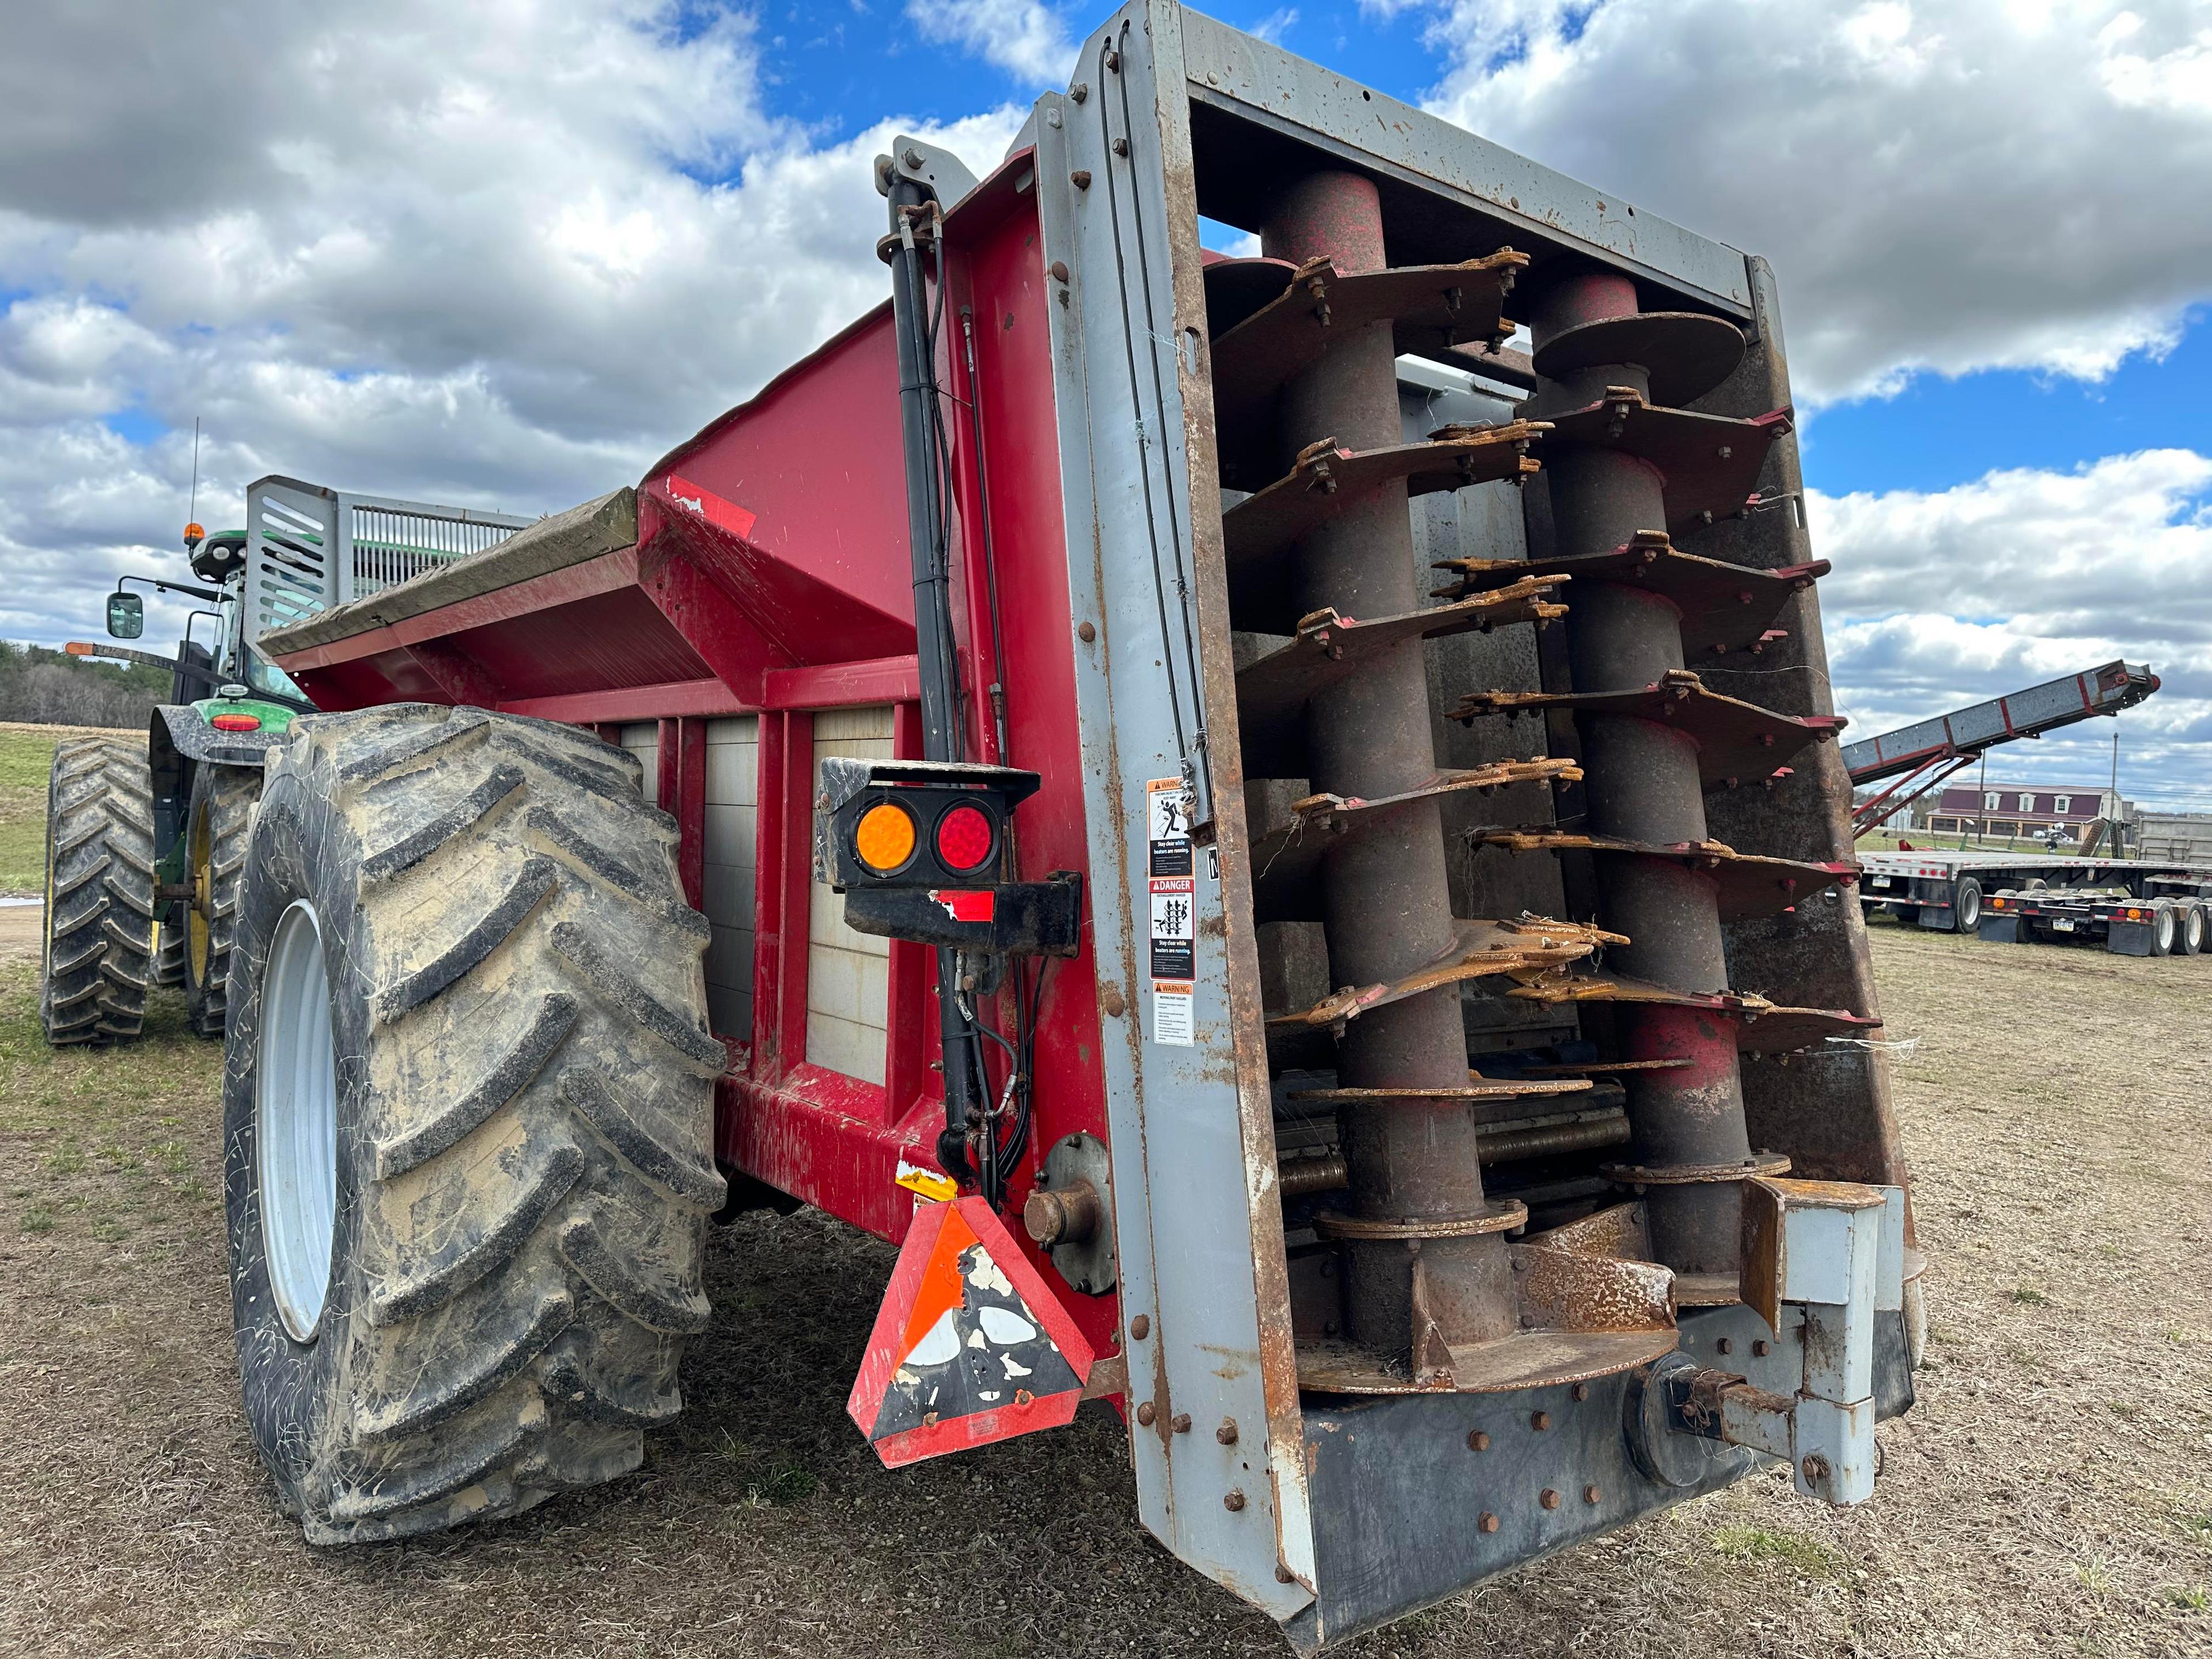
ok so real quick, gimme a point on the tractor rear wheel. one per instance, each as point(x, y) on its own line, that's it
point(98, 949)
point(216, 820)
point(468, 1110)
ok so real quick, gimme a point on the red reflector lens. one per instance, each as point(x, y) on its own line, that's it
point(236, 722)
point(964, 838)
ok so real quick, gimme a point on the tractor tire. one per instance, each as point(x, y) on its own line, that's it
point(169, 948)
point(98, 949)
point(216, 822)
point(468, 1118)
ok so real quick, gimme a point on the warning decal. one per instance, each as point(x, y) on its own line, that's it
point(1173, 1019)
point(970, 1345)
point(1167, 828)
point(1174, 928)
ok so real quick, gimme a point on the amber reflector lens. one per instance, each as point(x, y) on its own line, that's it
point(964, 838)
point(236, 722)
point(885, 837)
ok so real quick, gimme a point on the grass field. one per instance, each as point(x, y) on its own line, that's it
point(2051, 1494)
point(25, 759)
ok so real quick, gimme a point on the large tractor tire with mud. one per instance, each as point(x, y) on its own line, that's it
point(98, 950)
point(216, 820)
point(468, 1110)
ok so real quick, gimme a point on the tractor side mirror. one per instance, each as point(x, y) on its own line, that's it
point(127, 616)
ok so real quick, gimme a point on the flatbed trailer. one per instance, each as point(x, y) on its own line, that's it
point(2161, 916)
point(1954, 892)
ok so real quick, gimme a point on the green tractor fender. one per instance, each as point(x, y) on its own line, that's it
point(182, 738)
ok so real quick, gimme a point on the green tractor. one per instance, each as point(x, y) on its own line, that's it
point(146, 843)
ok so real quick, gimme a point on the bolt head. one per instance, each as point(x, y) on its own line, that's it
point(1486, 1521)
point(1591, 1494)
point(1226, 1434)
point(1180, 1422)
point(1539, 1419)
point(1478, 1441)
point(1724, 1345)
point(1140, 1328)
point(1581, 1391)
point(1232, 1501)
point(1147, 1413)
point(1548, 1498)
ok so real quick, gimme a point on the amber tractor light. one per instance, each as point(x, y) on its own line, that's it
point(884, 838)
point(964, 838)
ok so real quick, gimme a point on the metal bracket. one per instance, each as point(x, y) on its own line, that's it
point(944, 175)
point(1831, 1254)
point(1071, 1213)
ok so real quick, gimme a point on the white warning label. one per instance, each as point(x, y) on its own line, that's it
point(1173, 1020)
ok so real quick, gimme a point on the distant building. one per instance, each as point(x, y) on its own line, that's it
point(2006, 811)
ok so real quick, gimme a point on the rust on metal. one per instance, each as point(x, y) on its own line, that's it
point(1707, 464)
point(1724, 607)
point(1424, 307)
point(1286, 850)
point(1498, 1216)
point(1737, 742)
point(1326, 476)
point(1329, 649)
point(1478, 949)
point(1744, 883)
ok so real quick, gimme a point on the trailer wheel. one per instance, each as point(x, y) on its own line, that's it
point(216, 820)
point(99, 946)
point(1966, 906)
point(2192, 930)
point(2162, 930)
point(468, 1110)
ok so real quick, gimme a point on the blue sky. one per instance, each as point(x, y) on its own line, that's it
point(502, 258)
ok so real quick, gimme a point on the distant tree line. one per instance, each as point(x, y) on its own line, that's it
point(49, 688)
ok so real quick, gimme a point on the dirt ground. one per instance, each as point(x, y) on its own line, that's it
point(2051, 1494)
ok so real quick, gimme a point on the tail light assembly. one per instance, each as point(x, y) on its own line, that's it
point(923, 850)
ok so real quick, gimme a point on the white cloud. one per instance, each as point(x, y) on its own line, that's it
point(499, 256)
point(1941, 598)
point(1976, 184)
point(1025, 38)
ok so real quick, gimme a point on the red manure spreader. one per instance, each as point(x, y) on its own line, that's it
point(1289, 850)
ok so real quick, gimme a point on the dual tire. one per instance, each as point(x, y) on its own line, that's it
point(468, 1110)
point(100, 951)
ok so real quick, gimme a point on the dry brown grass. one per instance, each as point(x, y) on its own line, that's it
point(2051, 1494)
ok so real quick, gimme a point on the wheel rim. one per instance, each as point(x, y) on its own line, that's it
point(295, 1122)
point(203, 868)
point(2193, 939)
point(2164, 926)
point(1970, 907)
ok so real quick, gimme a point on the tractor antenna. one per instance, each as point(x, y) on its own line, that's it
point(192, 533)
